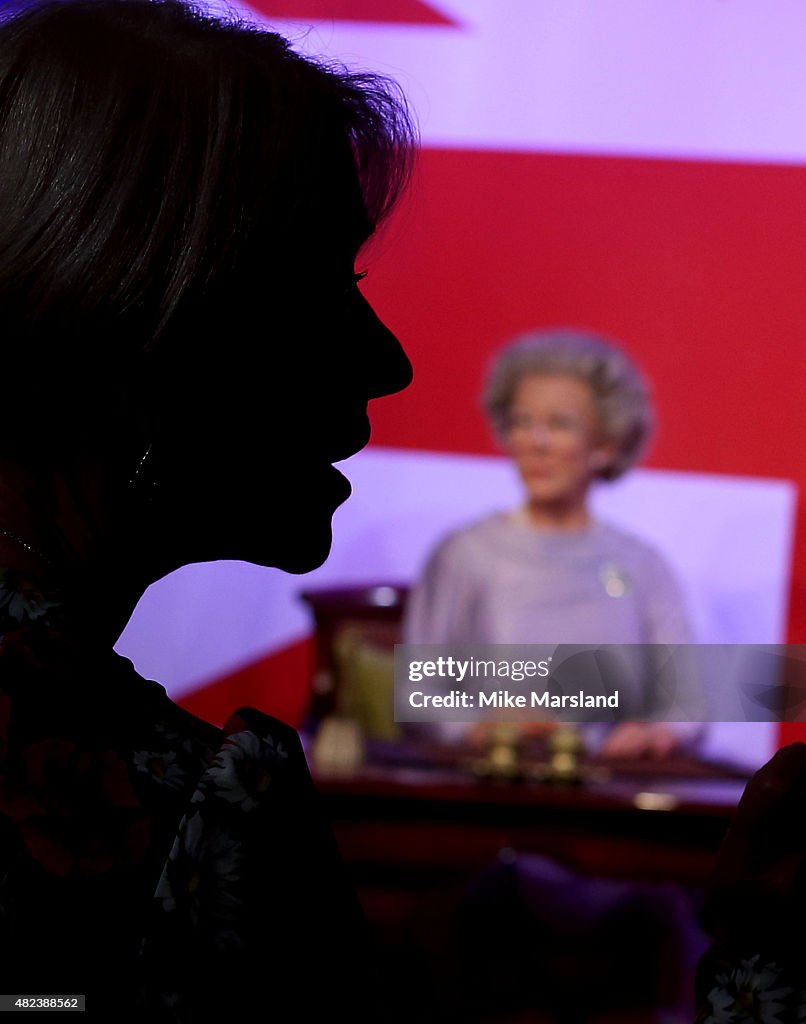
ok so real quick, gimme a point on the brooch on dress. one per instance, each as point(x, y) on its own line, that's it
point(615, 581)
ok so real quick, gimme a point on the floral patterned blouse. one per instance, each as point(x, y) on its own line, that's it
point(163, 868)
point(748, 990)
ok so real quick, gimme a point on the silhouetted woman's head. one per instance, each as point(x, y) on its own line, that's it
point(181, 205)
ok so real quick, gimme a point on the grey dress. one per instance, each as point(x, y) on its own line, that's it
point(502, 580)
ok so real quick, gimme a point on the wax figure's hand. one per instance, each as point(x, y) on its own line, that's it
point(483, 733)
point(641, 739)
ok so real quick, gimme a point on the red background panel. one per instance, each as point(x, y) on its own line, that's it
point(699, 269)
point(277, 684)
point(412, 12)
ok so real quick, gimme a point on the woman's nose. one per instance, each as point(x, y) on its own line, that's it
point(388, 368)
point(539, 434)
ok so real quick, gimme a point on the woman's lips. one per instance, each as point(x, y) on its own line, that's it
point(538, 472)
point(344, 448)
point(341, 485)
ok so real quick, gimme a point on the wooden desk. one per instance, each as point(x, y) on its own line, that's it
point(414, 838)
point(649, 825)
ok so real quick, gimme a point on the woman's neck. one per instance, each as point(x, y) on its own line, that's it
point(559, 518)
point(63, 526)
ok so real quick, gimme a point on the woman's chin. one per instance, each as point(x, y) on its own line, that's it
point(291, 530)
point(545, 496)
point(289, 554)
point(305, 557)
point(309, 531)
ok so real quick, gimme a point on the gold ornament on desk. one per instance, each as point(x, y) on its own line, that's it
point(338, 748)
point(565, 767)
point(502, 758)
point(565, 744)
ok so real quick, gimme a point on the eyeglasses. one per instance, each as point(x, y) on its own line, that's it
point(558, 428)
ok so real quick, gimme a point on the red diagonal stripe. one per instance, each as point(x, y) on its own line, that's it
point(408, 12)
point(279, 684)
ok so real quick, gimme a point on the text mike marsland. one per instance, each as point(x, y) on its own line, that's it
point(505, 699)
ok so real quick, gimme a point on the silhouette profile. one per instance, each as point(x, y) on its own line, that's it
point(186, 352)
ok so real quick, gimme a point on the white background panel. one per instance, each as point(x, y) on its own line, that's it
point(706, 79)
point(728, 538)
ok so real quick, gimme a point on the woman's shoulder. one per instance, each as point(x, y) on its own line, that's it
point(258, 735)
point(476, 537)
point(279, 741)
point(253, 878)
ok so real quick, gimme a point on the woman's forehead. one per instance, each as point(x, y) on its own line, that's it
point(555, 387)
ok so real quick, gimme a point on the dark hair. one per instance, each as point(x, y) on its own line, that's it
point(156, 164)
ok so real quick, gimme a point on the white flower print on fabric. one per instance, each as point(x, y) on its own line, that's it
point(750, 994)
point(161, 766)
point(175, 740)
point(243, 769)
point(201, 878)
